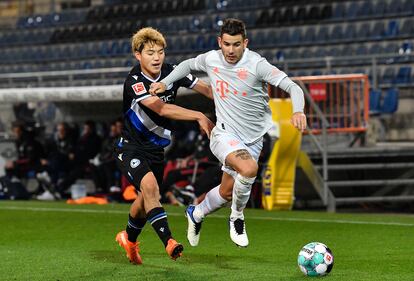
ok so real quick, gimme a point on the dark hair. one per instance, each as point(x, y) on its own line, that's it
point(233, 27)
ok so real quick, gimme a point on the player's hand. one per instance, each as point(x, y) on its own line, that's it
point(299, 121)
point(205, 124)
point(157, 88)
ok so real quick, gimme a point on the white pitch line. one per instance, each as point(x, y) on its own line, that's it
point(42, 209)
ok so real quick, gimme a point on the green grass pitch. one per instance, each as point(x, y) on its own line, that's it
point(55, 241)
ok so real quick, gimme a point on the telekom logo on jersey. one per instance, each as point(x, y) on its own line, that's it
point(222, 88)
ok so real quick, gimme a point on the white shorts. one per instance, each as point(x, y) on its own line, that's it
point(222, 143)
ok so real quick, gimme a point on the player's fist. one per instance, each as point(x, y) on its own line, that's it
point(299, 121)
point(157, 88)
point(205, 124)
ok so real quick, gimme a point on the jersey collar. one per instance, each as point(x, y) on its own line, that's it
point(151, 79)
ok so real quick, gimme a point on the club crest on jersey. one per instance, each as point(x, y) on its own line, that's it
point(134, 163)
point(242, 73)
point(139, 88)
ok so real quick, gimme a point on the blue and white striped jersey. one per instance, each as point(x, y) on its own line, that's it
point(143, 127)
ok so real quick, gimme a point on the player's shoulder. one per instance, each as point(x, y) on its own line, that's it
point(213, 54)
point(254, 56)
point(134, 75)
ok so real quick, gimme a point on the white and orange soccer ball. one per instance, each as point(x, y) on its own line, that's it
point(315, 259)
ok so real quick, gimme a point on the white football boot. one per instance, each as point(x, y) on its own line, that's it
point(238, 232)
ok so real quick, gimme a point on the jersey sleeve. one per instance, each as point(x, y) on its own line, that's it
point(136, 89)
point(200, 62)
point(189, 81)
point(269, 73)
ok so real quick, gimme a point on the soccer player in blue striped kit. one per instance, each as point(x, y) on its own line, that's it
point(139, 153)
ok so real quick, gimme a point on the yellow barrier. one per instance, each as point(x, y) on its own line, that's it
point(279, 176)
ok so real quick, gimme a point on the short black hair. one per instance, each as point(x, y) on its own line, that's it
point(233, 27)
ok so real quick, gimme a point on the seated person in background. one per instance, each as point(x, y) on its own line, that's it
point(104, 173)
point(30, 153)
point(59, 150)
point(87, 147)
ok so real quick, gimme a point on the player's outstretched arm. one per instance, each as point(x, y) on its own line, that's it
point(298, 102)
point(180, 71)
point(176, 112)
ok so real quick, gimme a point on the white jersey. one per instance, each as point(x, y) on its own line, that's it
point(240, 92)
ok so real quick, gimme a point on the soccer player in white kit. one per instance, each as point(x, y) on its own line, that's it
point(238, 77)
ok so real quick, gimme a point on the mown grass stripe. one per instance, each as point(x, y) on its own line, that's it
point(43, 209)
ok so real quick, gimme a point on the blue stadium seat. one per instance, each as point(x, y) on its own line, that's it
point(272, 37)
point(361, 50)
point(379, 8)
point(390, 101)
point(295, 36)
point(212, 42)
point(378, 30)
point(394, 7)
point(349, 32)
point(392, 29)
point(323, 34)
point(337, 32)
point(376, 49)
point(374, 102)
point(364, 30)
point(407, 27)
point(388, 76)
point(309, 35)
point(352, 10)
point(200, 43)
point(408, 7)
point(391, 48)
point(339, 11)
point(365, 9)
point(403, 75)
point(284, 37)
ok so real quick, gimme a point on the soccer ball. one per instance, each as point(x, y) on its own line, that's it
point(315, 259)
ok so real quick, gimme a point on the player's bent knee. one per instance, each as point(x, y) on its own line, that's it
point(249, 170)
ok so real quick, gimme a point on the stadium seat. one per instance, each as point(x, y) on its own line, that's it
point(364, 30)
point(361, 50)
point(394, 7)
point(295, 36)
point(309, 35)
point(403, 75)
point(374, 102)
point(326, 12)
point(337, 32)
point(272, 37)
point(392, 29)
point(365, 9)
point(379, 8)
point(314, 14)
point(338, 11)
point(300, 15)
point(323, 34)
point(352, 10)
point(287, 15)
point(350, 32)
point(391, 48)
point(390, 101)
point(378, 30)
point(376, 49)
point(388, 76)
point(407, 27)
